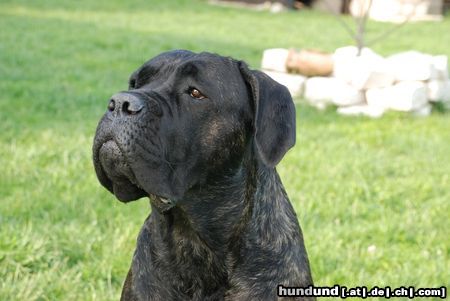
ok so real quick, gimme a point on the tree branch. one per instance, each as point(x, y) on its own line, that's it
point(339, 19)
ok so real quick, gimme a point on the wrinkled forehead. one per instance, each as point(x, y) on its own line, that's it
point(185, 63)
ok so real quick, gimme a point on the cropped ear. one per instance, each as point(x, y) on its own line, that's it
point(274, 118)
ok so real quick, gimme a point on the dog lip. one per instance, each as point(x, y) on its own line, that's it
point(115, 173)
point(113, 177)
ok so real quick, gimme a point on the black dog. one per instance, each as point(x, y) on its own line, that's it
point(200, 135)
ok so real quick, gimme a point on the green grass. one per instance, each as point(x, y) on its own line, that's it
point(354, 182)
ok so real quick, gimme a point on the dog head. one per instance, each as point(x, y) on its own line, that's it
point(186, 119)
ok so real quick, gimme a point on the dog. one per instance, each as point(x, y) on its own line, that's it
point(200, 136)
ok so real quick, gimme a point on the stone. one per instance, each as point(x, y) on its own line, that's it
point(364, 110)
point(293, 82)
point(320, 91)
point(366, 71)
point(439, 67)
point(347, 95)
point(409, 96)
point(352, 51)
point(275, 59)
point(423, 111)
point(398, 10)
point(411, 66)
point(404, 96)
point(359, 8)
point(369, 74)
point(277, 8)
point(379, 97)
point(438, 90)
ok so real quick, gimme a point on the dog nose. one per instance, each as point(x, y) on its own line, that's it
point(126, 103)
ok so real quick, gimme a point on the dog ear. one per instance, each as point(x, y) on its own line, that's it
point(274, 115)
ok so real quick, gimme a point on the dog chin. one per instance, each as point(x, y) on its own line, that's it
point(116, 175)
point(128, 192)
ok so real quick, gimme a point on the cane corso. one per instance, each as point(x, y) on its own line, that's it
point(200, 135)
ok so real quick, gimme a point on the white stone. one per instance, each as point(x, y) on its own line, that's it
point(438, 90)
point(423, 111)
point(347, 95)
point(370, 74)
point(409, 96)
point(352, 51)
point(345, 61)
point(359, 8)
point(318, 92)
point(439, 67)
point(398, 10)
point(275, 59)
point(369, 70)
point(277, 8)
point(404, 96)
point(411, 66)
point(321, 91)
point(379, 97)
point(345, 67)
point(365, 110)
point(293, 82)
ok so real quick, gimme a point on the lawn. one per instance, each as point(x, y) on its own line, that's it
point(372, 195)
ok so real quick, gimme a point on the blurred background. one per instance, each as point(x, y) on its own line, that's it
point(372, 194)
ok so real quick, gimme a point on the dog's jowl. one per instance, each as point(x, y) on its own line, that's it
point(200, 136)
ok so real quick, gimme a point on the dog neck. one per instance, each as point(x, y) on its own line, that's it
point(213, 212)
point(207, 229)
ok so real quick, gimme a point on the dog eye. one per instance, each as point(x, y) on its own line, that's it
point(195, 93)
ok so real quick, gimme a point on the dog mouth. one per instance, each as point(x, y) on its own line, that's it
point(116, 174)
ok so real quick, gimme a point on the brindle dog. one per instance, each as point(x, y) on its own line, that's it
point(200, 135)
